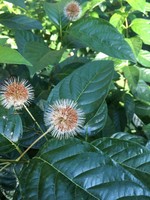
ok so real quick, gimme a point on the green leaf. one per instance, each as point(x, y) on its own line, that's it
point(100, 36)
point(146, 129)
point(6, 145)
point(40, 56)
point(19, 22)
point(73, 169)
point(142, 27)
point(22, 37)
point(88, 85)
point(3, 40)
point(11, 56)
point(11, 126)
point(137, 5)
point(117, 20)
point(89, 5)
point(129, 107)
point(8, 180)
point(135, 44)
point(55, 12)
point(18, 3)
point(129, 137)
point(142, 109)
point(147, 6)
point(132, 75)
point(130, 154)
point(144, 58)
point(143, 92)
point(145, 74)
point(97, 122)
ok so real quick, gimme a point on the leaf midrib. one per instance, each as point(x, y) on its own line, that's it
point(39, 158)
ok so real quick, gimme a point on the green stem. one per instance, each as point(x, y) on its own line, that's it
point(34, 120)
point(44, 134)
point(4, 167)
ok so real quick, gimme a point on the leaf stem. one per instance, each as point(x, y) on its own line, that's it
point(5, 167)
point(44, 134)
point(34, 120)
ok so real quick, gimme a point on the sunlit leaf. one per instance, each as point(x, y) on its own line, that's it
point(82, 171)
point(100, 36)
point(11, 56)
point(87, 85)
point(144, 58)
point(135, 44)
point(117, 20)
point(138, 4)
point(142, 28)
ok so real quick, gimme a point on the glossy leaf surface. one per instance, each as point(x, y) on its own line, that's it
point(87, 85)
point(101, 36)
point(79, 170)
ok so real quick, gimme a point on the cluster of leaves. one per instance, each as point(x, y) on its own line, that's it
point(102, 61)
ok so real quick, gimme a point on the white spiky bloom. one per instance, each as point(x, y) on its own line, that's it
point(72, 10)
point(15, 93)
point(64, 119)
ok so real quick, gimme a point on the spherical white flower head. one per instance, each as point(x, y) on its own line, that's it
point(64, 119)
point(72, 10)
point(15, 93)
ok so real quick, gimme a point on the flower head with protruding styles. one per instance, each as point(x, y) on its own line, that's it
point(15, 93)
point(72, 11)
point(64, 119)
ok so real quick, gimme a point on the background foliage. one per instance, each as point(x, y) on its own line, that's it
point(102, 61)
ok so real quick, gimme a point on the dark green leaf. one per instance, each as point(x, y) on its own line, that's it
point(87, 85)
point(11, 56)
point(143, 92)
point(127, 153)
point(5, 144)
point(7, 179)
point(100, 36)
point(11, 126)
point(40, 56)
point(22, 37)
point(142, 109)
point(18, 3)
point(129, 137)
point(97, 122)
point(132, 75)
point(55, 12)
point(78, 170)
point(19, 22)
point(129, 106)
point(146, 129)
